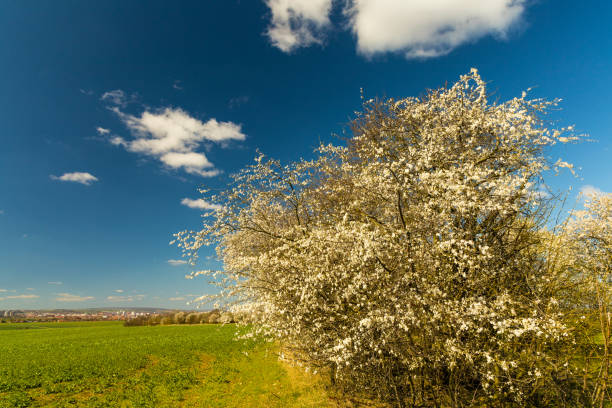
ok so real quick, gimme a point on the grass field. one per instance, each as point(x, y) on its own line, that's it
point(102, 364)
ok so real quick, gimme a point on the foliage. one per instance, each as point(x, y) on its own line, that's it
point(411, 262)
point(179, 318)
point(212, 316)
point(588, 238)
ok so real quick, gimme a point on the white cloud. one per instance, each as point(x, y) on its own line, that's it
point(176, 262)
point(297, 23)
point(415, 28)
point(172, 136)
point(118, 141)
point(428, 28)
point(238, 101)
point(67, 297)
point(128, 298)
point(3, 290)
point(589, 191)
point(116, 97)
point(102, 131)
point(55, 283)
point(76, 177)
point(30, 296)
point(176, 299)
point(177, 85)
point(200, 204)
point(119, 290)
point(191, 160)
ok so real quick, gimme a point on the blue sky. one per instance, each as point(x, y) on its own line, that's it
point(88, 202)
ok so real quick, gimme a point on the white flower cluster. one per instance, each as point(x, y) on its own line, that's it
point(403, 262)
point(587, 261)
point(591, 230)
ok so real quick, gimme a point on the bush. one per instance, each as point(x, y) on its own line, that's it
point(137, 321)
point(213, 317)
point(154, 320)
point(192, 318)
point(226, 317)
point(179, 318)
point(409, 264)
point(588, 241)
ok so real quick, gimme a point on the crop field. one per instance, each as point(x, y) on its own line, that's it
point(104, 364)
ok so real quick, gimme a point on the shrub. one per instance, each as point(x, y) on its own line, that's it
point(136, 321)
point(179, 318)
point(226, 317)
point(192, 318)
point(588, 237)
point(409, 263)
point(213, 317)
point(154, 320)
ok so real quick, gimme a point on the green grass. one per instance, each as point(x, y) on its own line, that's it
point(103, 364)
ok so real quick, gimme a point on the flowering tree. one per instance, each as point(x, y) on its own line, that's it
point(407, 263)
point(589, 234)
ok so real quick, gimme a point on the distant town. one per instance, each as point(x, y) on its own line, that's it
point(71, 315)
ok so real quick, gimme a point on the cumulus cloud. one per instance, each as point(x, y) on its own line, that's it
point(76, 177)
point(415, 28)
point(102, 131)
point(297, 23)
point(192, 162)
point(176, 262)
point(67, 297)
point(428, 28)
point(200, 204)
point(172, 136)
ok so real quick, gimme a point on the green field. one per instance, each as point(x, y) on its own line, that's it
point(102, 364)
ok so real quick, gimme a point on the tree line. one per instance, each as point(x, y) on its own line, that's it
point(211, 317)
